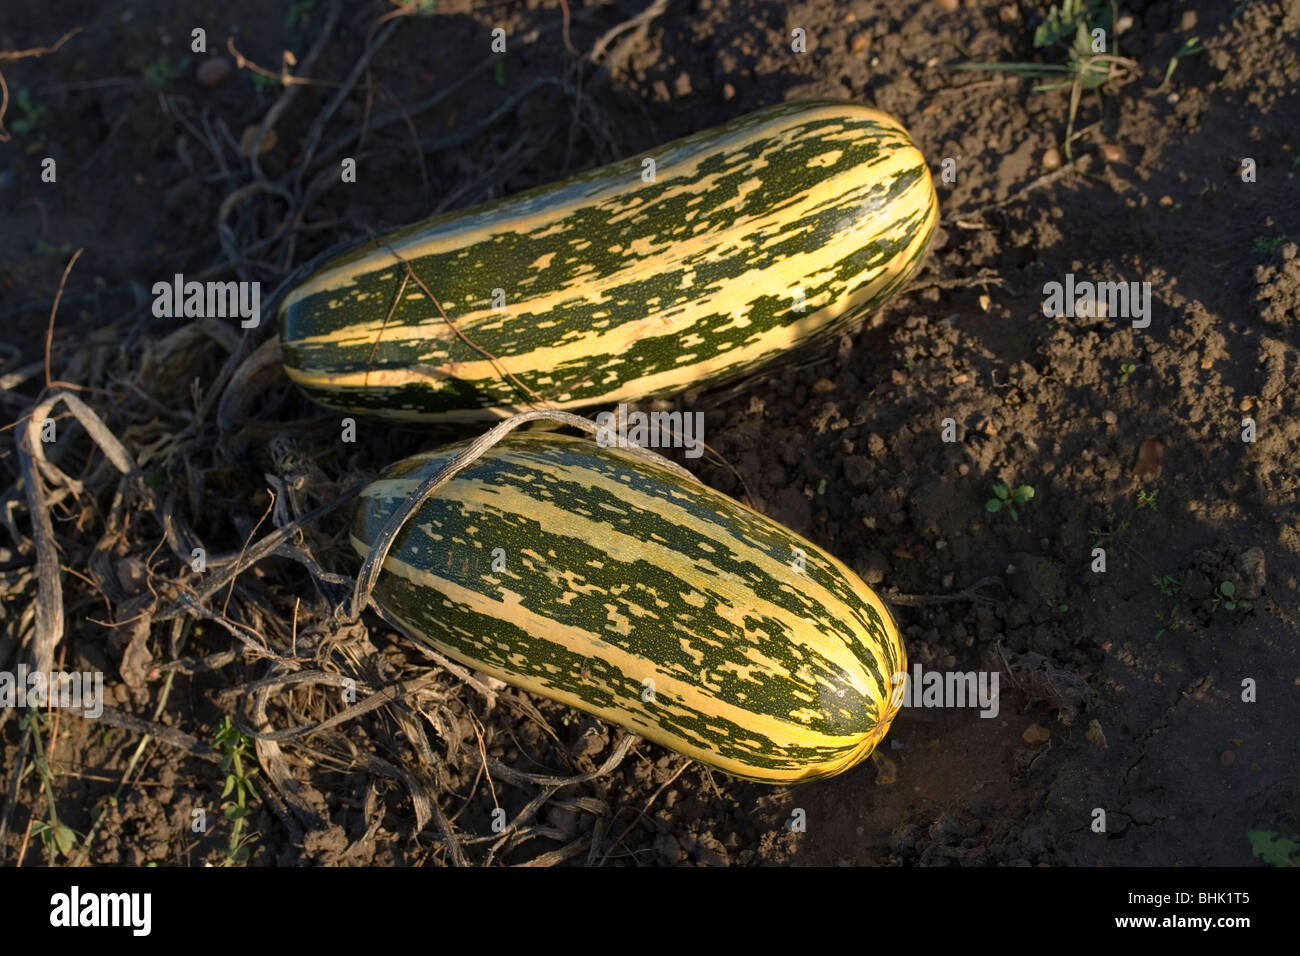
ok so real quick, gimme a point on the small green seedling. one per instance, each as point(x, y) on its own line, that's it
point(414, 8)
point(1190, 47)
point(1167, 584)
point(1168, 621)
point(234, 746)
point(32, 114)
point(1147, 499)
point(1125, 370)
point(161, 70)
point(1006, 500)
point(499, 73)
point(262, 83)
point(1262, 246)
point(1227, 597)
point(1103, 538)
point(297, 13)
point(57, 838)
point(1080, 32)
point(1273, 849)
point(1060, 607)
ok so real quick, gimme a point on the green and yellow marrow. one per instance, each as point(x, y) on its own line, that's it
point(692, 264)
point(608, 583)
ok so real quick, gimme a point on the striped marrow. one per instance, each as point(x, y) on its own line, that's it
point(615, 577)
point(613, 288)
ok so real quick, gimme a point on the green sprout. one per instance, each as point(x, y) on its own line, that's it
point(161, 70)
point(297, 13)
point(1006, 500)
point(234, 745)
point(1227, 597)
point(57, 838)
point(32, 114)
point(1190, 46)
point(1168, 621)
point(1147, 499)
point(1069, 29)
point(1125, 370)
point(1168, 585)
point(1273, 849)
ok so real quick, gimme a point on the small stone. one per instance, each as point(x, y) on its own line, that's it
point(1109, 417)
point(683, 84)
point(1111, 153)
point(1009, 13)
point(1228, 758)
point(181, 195)
point(960, 379)
point(563, 819)
point(1246, 403)
point(1036, 734)
point(213, 72)
point(1150, 459)
point(132, 574)
point(897, 376)
point(1251, 564)
point(709, 851)
point(1188, 21)
point(860, 42)
point(666, 846)
point(822, 386)
point(874, 568)
point(1166, 200)
point(857, 469)
point(1207, 363)
point(728, 91)
point(1094, 734)
point(886, 769)
point(985, 302)
point(591, 741)
point(948, 5)
point(1051, 159)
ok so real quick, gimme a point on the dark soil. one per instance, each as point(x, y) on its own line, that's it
point(1116, 695)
